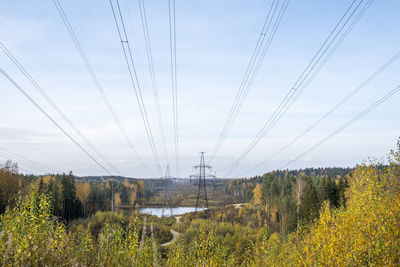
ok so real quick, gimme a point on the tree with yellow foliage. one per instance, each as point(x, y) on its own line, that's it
point(257, 195)
point(117, 200)
point(365, 232)
point(11, 182)
point(82, 193)
point(142, 188)
point(132, 191)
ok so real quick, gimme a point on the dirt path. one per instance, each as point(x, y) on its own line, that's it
point(178, 219)
point(175, 236)
point(237, 205)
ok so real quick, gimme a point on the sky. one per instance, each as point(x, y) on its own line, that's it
point(215, 40)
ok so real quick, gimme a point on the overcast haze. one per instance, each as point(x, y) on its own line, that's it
point(214, 44)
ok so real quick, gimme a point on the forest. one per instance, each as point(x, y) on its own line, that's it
point(325, 216)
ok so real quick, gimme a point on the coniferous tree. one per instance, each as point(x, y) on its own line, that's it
point(72, 207)
point(327, 190)
point(41, 186)
point(341, 188)
point(53, 192)
point(310, 205)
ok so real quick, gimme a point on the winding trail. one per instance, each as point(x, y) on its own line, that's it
point(175, 234)
point(178, 219)
point(237, 205)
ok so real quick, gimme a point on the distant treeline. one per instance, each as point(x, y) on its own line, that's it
point(333, 172)
point(242, 189)
point(70, 197)
point(73, 197)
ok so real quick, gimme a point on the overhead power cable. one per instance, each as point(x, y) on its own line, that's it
point(268, 31)
point(333, 109)
point(344, 126)
point(53, 121)
point(149, 53)
point(98, 84)
point(352, 15)
point(25, 164)
point(53, 104)
point(325, 60)
point(31, 146)
point(28, 162)
point(120, 24)
point(174, 80)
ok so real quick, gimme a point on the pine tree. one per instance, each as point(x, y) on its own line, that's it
point(41, 186)
point(72, 207)
point(341, 188)
point(327, 190)
point(310, 205)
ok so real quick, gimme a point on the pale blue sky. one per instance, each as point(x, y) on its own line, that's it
point(214, 44)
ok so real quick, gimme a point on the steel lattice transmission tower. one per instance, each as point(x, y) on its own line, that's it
point(201, 176)
point(167, 204)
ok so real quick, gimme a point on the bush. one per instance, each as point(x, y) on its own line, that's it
point(29, 235)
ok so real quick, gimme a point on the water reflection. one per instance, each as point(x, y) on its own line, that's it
point(175, 211)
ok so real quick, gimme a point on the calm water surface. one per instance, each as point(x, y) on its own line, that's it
point(175, 211)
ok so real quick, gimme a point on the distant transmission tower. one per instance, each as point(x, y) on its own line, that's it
point(167, 205)
point(201, 176)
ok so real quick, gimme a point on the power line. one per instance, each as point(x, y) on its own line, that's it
point(333, 109)
point(317, 70)
point(338, 34)
point(134, 78)
point(52, 120)
point(97, 82)
point(32, 168)
point(344, 126)
point(268, 31)
point(146, 35)
point(31, 146)
point(174, 81)
point(325, 60)
point(29, 162)
point(53, 104)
